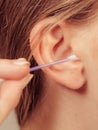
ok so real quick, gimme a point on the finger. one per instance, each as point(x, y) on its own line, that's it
point(14, 69)
point(10, 93)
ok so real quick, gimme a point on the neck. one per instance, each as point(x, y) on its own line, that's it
point(62, 109)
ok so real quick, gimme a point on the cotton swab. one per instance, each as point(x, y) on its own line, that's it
point(72, 57)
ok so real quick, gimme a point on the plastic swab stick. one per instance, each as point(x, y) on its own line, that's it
point(73, 57)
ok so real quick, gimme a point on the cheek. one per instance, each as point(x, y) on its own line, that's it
point(85, 43)
point(82, 45)
point(94, 48)
point(88, 51)
point(91, 50)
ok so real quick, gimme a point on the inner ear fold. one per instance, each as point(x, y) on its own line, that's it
point(56, 32)
point(59, 40)
point(54, 45)
point(60, 51)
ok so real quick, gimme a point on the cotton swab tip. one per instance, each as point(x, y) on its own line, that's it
point(72, 57)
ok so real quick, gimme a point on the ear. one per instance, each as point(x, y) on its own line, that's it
point(55, 45)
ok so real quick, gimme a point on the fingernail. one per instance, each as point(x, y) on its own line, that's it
point(21, 61)
point(1, 81)
point(27, 79)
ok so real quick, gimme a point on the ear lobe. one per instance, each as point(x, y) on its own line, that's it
point(54, 46)
point(74, 77)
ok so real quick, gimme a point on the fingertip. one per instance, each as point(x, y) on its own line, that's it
point(20, 72)
point(14, 69)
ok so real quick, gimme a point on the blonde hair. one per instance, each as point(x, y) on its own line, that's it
point(17, 18)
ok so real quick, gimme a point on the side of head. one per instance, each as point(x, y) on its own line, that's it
point(44, 31)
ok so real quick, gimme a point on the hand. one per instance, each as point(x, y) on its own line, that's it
point(14, 76)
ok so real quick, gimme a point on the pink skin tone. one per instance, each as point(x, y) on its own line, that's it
point(14, 76)
point(70, 102)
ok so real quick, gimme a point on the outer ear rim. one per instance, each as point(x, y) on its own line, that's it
point(42, 24)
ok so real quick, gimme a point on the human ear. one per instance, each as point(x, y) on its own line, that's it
point(55, 45)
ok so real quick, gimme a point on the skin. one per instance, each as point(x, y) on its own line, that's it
point(66, 107)
point(15, 74)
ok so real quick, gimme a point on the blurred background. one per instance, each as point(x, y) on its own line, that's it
point(10, 123)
